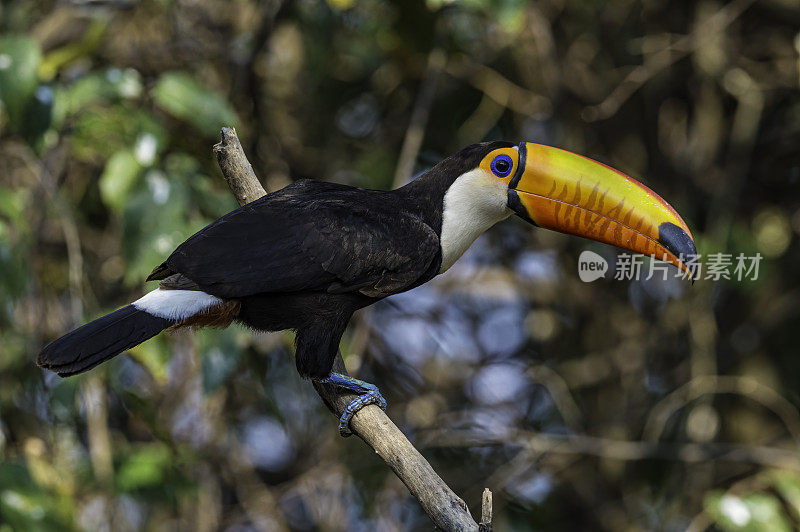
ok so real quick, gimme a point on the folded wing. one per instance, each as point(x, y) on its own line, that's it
point(308, 236)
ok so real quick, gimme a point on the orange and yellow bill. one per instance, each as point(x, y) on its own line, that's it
point(569, 193)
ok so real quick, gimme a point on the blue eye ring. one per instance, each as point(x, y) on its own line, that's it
point(502, 165)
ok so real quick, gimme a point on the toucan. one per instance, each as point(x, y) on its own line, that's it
point(306, 257)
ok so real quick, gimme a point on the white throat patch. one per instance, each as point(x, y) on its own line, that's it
point(473, 203)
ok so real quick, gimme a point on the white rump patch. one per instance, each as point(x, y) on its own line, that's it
point(175, 304)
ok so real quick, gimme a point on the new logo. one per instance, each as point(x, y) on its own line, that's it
point(591, 266)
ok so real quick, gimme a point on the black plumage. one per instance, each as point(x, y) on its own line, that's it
point(99, 340)
point(305, 258)
point(309, 236)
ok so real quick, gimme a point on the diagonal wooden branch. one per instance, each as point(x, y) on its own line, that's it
point(371, 424)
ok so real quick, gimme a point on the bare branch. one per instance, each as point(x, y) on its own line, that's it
point(720, 384)
point(665, 57)
point(499, 88)
point(371, 424)
point(486, 511)
point(236, 169)
point(628, 450)
point(419, 117)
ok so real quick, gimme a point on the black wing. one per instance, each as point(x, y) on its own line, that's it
point(309, 236)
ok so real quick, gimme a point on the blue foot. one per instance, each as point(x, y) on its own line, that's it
point(368, 394)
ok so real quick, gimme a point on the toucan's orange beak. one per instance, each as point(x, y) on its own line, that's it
point(569, 193)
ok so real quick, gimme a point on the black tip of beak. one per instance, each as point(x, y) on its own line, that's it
point(680, 244)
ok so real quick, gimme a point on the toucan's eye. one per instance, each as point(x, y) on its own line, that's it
point(501, 165)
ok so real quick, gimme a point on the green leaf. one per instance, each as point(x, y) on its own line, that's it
point(57, 59)
point(118, 179)
point(20, 57)
point(788, 485)
point(146, 467)
point(100, 131)
point(751, 512)
point(184, 97)
point(24, 505)
point(24, 509)
point(154, 355)
point(12, 204)
point(111, 85)
point(14, 245)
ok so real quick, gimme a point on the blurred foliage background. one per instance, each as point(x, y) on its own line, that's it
point(643, 405)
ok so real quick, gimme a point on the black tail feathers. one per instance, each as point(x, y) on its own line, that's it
point(100, 340)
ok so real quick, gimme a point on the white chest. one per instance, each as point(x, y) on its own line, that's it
point(472, 204)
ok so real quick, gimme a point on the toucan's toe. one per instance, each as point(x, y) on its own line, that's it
point(372, 397)
point(368, 394)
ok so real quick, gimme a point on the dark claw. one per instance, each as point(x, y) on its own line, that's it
point(368, 394)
